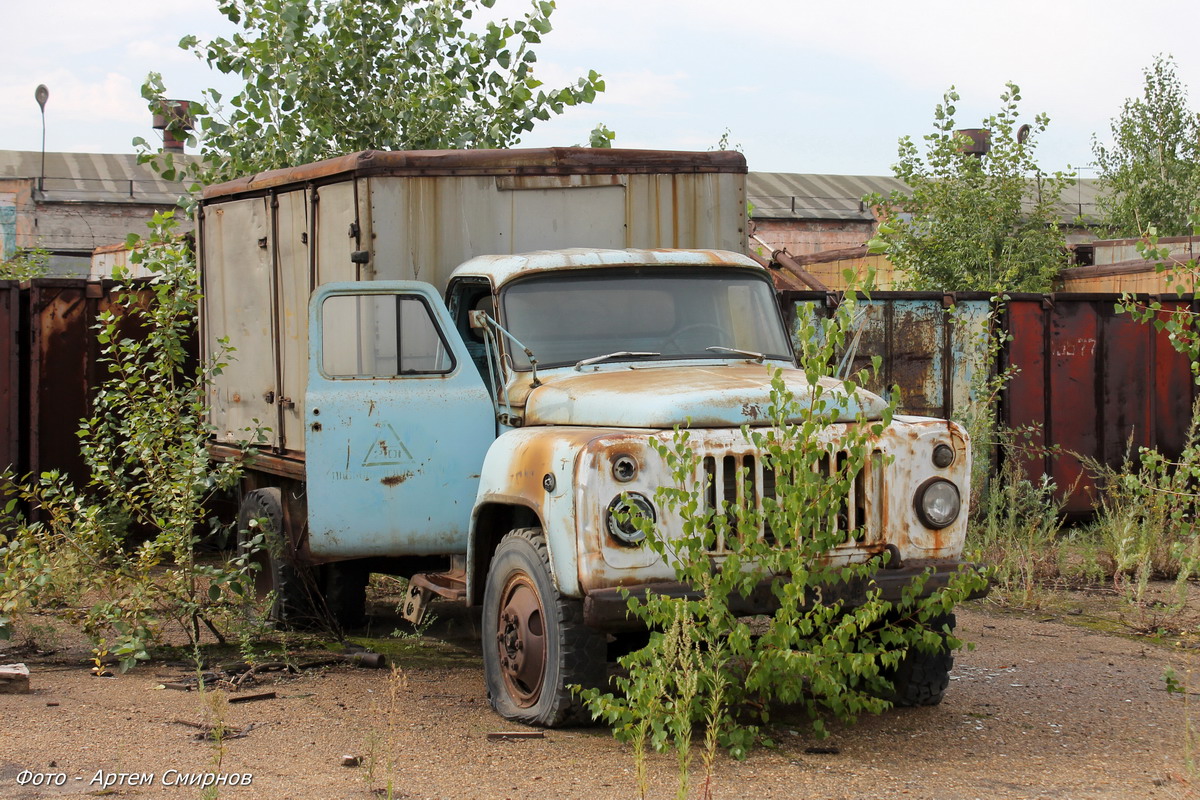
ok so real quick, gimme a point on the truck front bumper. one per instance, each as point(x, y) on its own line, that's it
point(608, 609)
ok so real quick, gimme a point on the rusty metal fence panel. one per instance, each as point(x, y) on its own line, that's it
point(929, 343)
point(1093, 383)
point(64, 370)
point(10, 383)
point(1088, 381)
point(50, 368)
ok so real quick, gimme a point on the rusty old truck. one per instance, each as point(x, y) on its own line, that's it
point(459, 361)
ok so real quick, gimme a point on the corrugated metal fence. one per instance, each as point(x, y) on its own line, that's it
point(1094, 383)
point(1088, 380)
point(50, 368)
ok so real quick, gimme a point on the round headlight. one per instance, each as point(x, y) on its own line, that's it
point(937, 503)
point(943, 456)
point(624, 468)
point(623, 516)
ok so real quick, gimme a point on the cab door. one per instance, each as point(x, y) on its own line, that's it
point(398, 423)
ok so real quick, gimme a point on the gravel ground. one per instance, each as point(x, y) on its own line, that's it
point(1039, 709)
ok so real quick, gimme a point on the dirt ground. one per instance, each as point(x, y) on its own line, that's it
point(1043, 707)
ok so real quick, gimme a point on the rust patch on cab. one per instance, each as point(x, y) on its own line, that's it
point(396, 480)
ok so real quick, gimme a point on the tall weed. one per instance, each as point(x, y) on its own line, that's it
point(1015, 532)
point(1146, 526)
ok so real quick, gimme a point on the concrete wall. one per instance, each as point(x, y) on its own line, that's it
point(15, 215)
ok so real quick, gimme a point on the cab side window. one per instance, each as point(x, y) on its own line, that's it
point(381, 336)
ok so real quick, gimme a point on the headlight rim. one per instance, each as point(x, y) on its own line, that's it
point(636, 538)
point(919, 503)
point(943, 447)
point(624, 459)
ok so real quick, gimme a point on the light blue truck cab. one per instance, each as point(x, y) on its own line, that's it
point(470, 421)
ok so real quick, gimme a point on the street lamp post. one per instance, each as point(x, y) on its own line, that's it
point(42, 94)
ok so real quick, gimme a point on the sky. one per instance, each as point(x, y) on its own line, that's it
point(807, 86)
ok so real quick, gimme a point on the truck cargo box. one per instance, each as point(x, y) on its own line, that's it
point(268, 240)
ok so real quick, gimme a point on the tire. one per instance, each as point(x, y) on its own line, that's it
point(535, 644)
point(296, 594)
point(922, 678)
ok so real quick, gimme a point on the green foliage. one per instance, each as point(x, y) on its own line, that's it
point(974, 223)
point(118, 560)
point(601, 136)
point(1015, 529)
point(1183, 277)
point(328, 77)
point(1151, 170)
point(724, 143)
point(146, 439)
point(1147, 523)
point(26, 265)
point(705, 664)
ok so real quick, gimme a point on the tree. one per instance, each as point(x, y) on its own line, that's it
point(328, 77)
point(974, 222)
point(1151, 171)
point(25, 264)
point(118, 557)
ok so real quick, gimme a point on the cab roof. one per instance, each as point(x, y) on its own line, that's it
point(500, 269)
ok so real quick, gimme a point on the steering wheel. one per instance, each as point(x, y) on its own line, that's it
point(673, 339)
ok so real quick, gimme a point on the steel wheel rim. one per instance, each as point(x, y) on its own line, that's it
point(521, 640)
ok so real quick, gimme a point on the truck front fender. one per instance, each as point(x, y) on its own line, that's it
point(528, 479)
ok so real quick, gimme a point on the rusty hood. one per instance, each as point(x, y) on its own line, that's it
point(705, 396)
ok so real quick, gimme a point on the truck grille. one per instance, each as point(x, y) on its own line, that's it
point(858, 516)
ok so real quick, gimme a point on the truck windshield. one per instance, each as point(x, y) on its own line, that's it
point(568, 316)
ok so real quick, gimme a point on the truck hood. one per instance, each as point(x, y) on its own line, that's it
point(717, 396)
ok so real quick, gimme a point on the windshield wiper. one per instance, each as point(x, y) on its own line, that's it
point(758, 357)
point(619, 354)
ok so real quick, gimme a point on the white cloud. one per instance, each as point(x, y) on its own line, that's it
point(156, 51)
point(645, 89)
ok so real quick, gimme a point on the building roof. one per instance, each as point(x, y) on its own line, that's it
point(799, 196)
point(118, 178)
point(92, 177)
point(791, 195)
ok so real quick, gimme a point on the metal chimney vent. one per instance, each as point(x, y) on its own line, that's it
point(975, 141)
point(174, 120)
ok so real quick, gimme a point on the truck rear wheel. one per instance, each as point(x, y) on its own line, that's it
point(535, 644)
point(922, 678)
point(296, 597)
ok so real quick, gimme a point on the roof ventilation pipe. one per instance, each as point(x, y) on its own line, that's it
point(174, 120)
point(974, 141)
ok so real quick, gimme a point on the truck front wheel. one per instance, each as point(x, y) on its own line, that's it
point(922, 678)
point(535, 644)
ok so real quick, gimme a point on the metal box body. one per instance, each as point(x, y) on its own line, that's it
point(267, 241)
